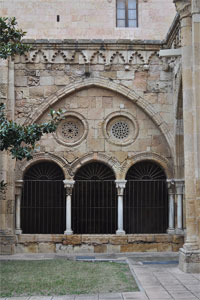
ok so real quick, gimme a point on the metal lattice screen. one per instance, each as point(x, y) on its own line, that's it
point(94, 200)
point(146, 199)
point(43, 200)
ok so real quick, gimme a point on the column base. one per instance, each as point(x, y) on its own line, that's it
point(18, 231)
point(120, 232)
point(179, 231)
point(189, 261)
point(68, 232)
point(171, 230)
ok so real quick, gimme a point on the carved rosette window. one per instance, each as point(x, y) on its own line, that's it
point(72, 130)
point(120, 128)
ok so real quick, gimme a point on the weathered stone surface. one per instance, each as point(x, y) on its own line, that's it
point(140, 247)
point(100, 249)
point(72, 240)
point(26, 248)
point(46, 248)
point(95, 239)
point(84, 249)
point(118, 240)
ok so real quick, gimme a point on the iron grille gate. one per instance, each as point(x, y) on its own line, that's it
point(146, 206)
point(43, 207)
point(94, 207)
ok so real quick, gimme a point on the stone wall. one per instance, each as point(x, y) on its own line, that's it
point(97, 83)
point(90, 19)
point(97, 243)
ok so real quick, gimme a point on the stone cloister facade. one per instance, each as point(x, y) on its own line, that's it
point(127, 107)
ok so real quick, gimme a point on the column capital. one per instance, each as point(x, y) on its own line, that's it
point(120, 185)
point(171, 185)
point(68, 184)
point(18, 187)
point(195, 7)
point(183, 7)
point(179, 185)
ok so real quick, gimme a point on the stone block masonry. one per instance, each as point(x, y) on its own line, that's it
point(36, 243)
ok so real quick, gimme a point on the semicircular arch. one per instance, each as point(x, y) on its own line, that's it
point(148, 156)
point(23, 166)
point(96, 157)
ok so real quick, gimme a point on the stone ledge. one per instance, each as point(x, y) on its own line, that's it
point(105, 243)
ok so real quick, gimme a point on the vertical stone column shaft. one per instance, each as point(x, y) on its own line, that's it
point(18, 194)
point(120, 185)
point(69, 186)
point(179, 192)
point(171, 227)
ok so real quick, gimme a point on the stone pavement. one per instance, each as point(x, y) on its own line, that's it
point(156, 279)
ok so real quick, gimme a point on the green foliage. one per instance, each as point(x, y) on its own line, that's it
point(20, 140)
point(10, 38)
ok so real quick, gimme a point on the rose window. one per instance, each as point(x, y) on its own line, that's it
point(120, 130)
point(70, 130)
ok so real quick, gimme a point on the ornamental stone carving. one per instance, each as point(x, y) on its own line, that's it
point(72, 130)
point(120, 128)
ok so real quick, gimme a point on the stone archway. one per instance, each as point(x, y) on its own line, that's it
point(94, 200)
point(107, 84)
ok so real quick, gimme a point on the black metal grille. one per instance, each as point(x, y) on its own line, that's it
point(146, 199)
point(94, 200)
point(94, 207)
point(43, 200)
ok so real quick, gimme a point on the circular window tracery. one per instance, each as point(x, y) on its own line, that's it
point(120, 128)
point(72, 130)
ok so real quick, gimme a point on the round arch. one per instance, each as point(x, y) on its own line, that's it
point(107, 84)
point(23, 166)
point(112, 163)
point(94, 199)
point(43, 204)
point(146, 198)
point(149, 156)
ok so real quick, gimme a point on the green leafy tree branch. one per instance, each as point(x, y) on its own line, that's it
point(19, 140)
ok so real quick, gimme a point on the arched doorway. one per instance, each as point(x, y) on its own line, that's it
point(94, 200)
point(43, 199)
point(146, 199)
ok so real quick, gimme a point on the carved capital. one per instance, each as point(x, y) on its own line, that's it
point(183, 7)
point(120, 185)
point(171, 186)
point(196, 7)
point(18, 187)
point(68, 184)
point(179, 186)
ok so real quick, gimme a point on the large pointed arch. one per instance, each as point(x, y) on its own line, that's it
point(110, 85)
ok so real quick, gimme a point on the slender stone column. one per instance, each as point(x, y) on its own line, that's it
point(120, 185)
point(69, 186)
point(179, 193)
point(171, 228)
point(18, 194)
